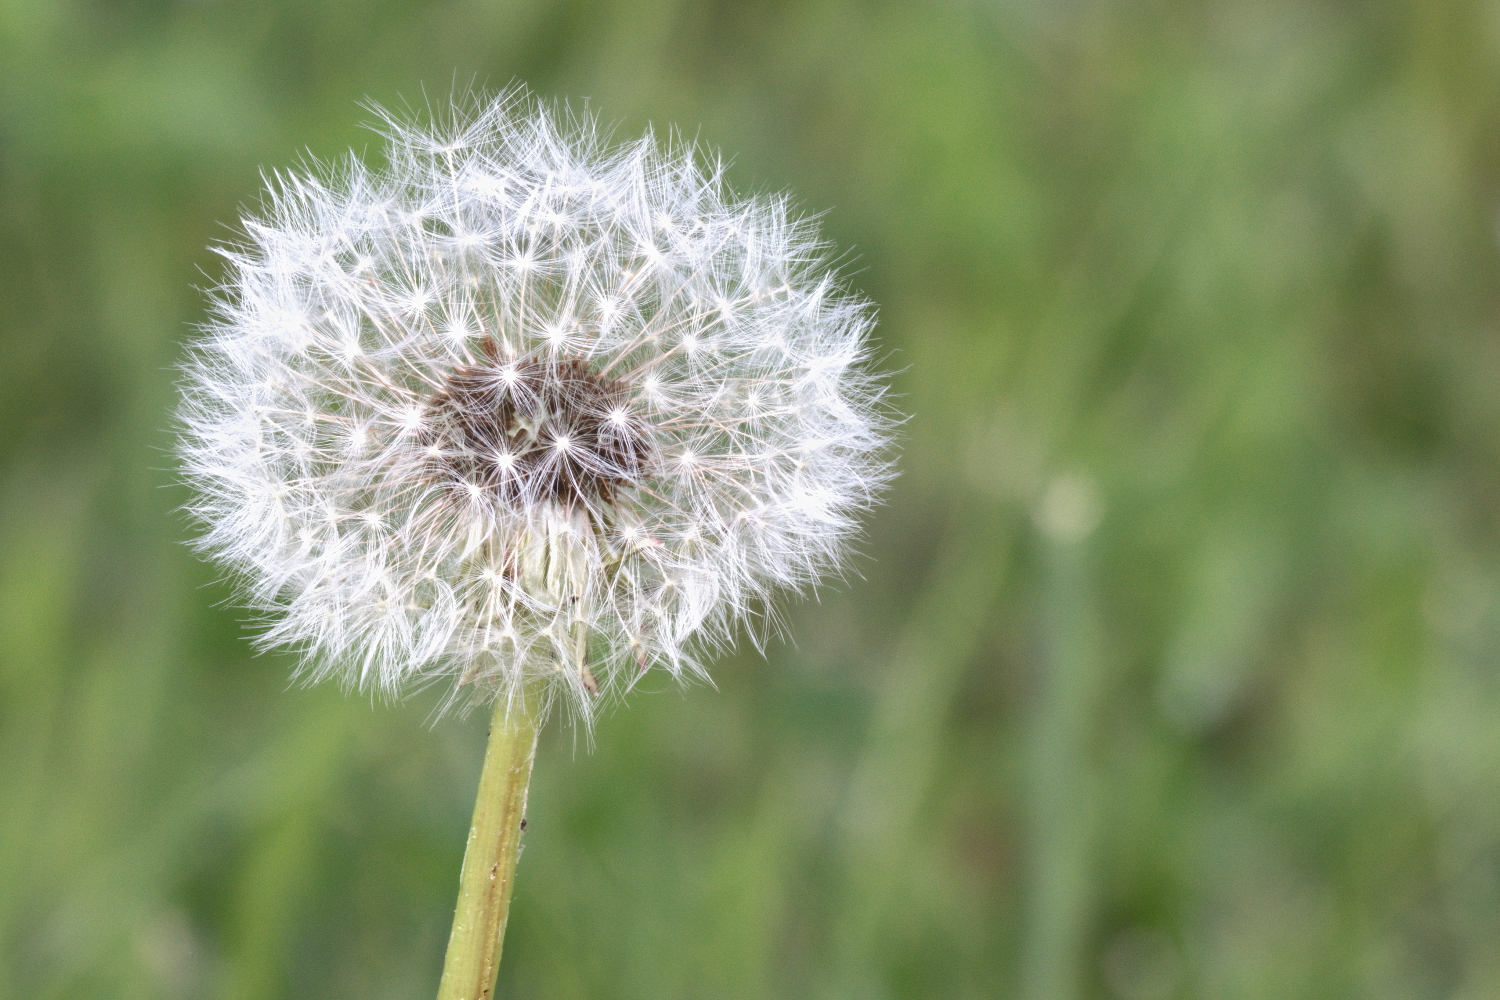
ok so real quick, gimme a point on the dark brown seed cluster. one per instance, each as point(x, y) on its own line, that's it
point(534, 429)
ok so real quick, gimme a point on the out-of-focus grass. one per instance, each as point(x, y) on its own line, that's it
point(1171, 671)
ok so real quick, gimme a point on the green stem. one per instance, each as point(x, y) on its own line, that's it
point(1063, 790)
point(490, 858)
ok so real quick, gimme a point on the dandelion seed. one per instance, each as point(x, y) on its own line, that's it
point(514, 416)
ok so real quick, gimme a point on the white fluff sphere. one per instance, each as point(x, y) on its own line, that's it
point(523, 406)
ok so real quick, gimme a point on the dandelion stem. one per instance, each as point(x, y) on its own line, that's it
point(490, 857)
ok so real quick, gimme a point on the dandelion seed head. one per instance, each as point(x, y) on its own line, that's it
point(522, 386)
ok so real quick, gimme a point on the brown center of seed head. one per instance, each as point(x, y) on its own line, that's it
point(533, 429)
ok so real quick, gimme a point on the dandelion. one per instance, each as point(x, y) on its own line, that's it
point(526, 413)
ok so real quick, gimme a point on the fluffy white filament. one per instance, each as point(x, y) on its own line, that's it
point(523, 405)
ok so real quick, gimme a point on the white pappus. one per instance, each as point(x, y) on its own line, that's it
point(524, 405)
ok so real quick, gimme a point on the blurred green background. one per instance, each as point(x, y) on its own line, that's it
point(1168, 671)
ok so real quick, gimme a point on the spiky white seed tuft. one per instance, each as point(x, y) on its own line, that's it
point(525, 405)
